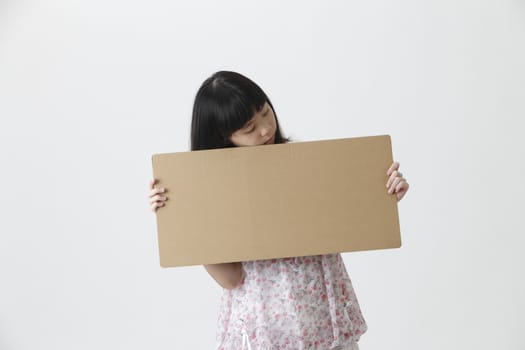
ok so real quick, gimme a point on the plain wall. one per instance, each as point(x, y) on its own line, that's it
point(89, 90)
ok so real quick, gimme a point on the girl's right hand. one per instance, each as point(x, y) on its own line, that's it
point(156, 200)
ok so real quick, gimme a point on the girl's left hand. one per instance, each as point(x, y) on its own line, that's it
point(396, 182)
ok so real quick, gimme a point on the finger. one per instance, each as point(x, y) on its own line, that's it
point(156, 205)
point(158, 198)
point(406, 186)
point(391, 178)
point(393, 167)
point(156, 191)
point(403, 191)
point(152, 183)
point(401, 185)
point(394, 184)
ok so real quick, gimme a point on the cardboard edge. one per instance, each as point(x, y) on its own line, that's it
point(389, 138)
point(163, 264)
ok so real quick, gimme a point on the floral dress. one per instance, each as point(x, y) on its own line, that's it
point(291, 304)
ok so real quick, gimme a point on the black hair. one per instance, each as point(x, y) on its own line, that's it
point(224, 103)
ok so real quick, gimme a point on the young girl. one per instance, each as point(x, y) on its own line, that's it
point(293, 303)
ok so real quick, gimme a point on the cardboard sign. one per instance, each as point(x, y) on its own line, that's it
point(275, 201)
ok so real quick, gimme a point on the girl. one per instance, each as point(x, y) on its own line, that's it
point(292, 303)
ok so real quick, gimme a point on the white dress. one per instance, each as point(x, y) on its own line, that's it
point(291, 304)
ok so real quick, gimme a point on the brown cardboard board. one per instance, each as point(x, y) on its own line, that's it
point(274, 201)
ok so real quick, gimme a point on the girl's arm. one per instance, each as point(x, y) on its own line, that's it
point(227, 275)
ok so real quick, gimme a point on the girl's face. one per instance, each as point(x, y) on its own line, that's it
point(257, 131)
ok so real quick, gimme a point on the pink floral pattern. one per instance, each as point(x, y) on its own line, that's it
point(292, 303)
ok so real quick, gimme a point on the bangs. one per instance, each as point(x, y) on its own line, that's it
point(233, 106)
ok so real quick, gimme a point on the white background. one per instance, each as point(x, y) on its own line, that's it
point(89, 90)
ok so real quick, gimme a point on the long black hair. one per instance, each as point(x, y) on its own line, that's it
point(224, 103)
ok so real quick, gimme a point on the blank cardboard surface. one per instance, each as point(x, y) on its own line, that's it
point(275, 201)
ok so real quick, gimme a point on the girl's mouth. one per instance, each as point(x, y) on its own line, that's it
point(270, 141)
